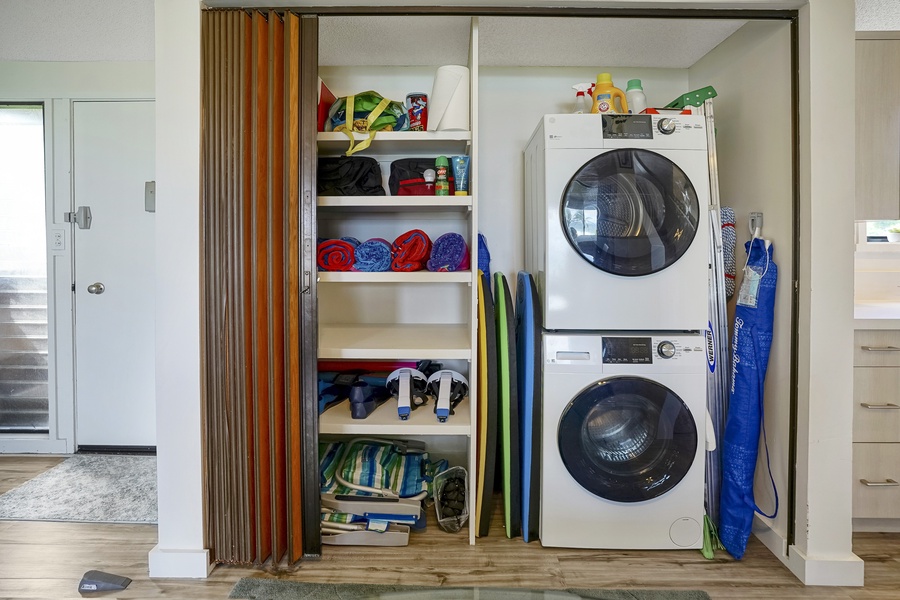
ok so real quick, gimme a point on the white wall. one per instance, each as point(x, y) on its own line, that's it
point(753, 142)
point(180, 551)
point(822, 550)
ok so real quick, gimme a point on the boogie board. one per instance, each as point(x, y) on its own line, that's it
point(487, 407)
point(509, 406)
point(528, 361)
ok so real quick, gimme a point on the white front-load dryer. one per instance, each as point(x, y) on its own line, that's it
point(617, 221)
point(623, 440)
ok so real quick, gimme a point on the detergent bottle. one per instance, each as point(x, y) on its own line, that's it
point(634, 93)
point(605, 95)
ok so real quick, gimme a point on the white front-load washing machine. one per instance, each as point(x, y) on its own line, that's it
point(623, 440)
point(617, 221)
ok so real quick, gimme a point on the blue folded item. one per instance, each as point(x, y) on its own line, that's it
point(334, 388)
point(373, 256)
point(449, 253)
point(365, 398)
point(484, 258)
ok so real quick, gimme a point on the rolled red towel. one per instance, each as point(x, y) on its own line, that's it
point(411, 251)
point(335, 255)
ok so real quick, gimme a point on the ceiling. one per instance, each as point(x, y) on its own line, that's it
point(516, 41)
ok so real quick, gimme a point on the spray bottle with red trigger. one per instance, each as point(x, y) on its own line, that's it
point(582, 92)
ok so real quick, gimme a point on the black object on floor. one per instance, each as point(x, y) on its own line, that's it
point(98, 581)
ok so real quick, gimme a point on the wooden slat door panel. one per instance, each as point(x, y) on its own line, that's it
point(259, 350)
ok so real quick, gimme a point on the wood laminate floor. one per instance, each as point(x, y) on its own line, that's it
point(47, 560)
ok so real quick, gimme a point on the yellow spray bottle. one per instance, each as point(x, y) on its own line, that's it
point(605, 94)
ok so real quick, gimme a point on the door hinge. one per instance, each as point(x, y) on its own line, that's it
point(73, 287)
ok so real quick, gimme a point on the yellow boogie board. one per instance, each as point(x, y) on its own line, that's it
point(487, 407)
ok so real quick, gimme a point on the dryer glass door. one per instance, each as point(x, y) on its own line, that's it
point(627, 439)
point(630, 212)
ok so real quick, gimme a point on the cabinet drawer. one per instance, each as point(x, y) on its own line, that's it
point(875, 348)
point(879, 465)
point(876, 404)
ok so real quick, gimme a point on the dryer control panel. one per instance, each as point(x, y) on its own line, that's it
point(627, 127)
point(645, 350)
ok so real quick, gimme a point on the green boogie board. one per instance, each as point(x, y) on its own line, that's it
point(509, 406)
point(487, 407)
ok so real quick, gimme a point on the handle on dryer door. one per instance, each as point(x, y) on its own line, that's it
point(710, 434)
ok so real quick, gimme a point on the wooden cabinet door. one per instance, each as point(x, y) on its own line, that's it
point(877, 129)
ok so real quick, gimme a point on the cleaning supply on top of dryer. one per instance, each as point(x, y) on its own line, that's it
point(581, 92)
point(605, 96)
point(634, 93)
point(442, 183)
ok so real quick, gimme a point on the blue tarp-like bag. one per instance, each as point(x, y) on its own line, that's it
point(753, 322)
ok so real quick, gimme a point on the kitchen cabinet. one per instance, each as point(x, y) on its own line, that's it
point(876, 425)
point(877, 129)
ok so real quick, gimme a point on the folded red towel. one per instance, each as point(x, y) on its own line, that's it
point(335, 255)
point(411, 251)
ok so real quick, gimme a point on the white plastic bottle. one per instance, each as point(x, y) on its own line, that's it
point(634, 94)
point(581, 90)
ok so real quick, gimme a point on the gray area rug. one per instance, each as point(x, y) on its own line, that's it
point(258, 588)
point(92, 488)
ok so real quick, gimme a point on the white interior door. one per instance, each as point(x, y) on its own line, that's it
point(114, 274)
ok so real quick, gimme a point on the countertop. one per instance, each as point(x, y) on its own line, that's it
point(876, 315)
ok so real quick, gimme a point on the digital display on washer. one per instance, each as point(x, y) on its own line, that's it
point(627, 351)
point(627, 127)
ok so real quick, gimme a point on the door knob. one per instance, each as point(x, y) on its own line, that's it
point(96, 288)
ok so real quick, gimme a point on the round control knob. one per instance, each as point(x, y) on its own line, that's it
point(666, 126)
point(666, 349)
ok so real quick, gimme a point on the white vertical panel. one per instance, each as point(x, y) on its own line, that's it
point(180, 551)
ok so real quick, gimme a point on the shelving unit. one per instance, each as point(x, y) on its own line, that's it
point(402, 316)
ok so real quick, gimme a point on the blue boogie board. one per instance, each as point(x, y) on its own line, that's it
point(528, 361)
point(509, 406)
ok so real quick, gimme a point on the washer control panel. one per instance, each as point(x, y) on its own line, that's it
point(645, 350)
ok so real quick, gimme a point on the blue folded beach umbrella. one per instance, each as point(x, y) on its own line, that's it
point(753, 320)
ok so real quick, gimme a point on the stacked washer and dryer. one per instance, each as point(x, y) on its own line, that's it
point(618, 243)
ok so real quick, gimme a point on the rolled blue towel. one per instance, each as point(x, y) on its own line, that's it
point(373, 255)
point(449, 253)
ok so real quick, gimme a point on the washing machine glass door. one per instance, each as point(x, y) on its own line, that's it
point(630, 212)
point(627, 439)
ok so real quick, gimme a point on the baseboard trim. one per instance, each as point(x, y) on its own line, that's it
point(876, 525)
point(833, 571)
point(181, 564)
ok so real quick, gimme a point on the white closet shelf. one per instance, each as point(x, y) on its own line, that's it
point(385, 422)
point(398, 142)
point(393, 203)
point(395, 277)
point(395, 341)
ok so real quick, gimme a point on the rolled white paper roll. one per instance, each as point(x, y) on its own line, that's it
point(448, 105)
